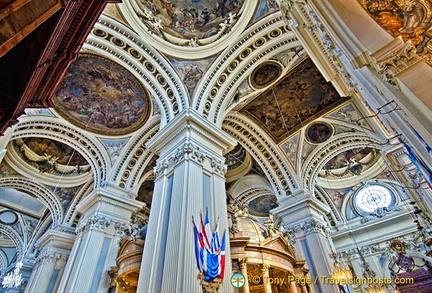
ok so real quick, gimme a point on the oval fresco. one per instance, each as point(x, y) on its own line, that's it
point(344, 159)
point(46, 147)
point(101, 96)
point(188, 19)
point(262, 205)
point(265, 74)
point(319, 132)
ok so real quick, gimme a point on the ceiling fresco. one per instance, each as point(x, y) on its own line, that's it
point(191, 71)
point(101, 96)
point(188, 19)
point(48, 147)
point(264, 7)
point(299, 97)
point(265, 74)
point(262, 205)
point(352, 162)
point(410, 19)
point(51, 156)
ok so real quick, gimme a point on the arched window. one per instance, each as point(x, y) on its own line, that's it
point(372, 197)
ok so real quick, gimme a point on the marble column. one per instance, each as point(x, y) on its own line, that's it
point(244, 272)
point(105, 214)
point(54, 247)
point(189, 179)
point(304, 215)
point(266, 278)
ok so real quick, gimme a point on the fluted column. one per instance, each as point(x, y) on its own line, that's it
point(189, 179)
point(55, 247)
point(265, 277)
point(244, 272)
point(106, 213)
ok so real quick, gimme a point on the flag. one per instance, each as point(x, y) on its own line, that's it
point(204, 229)
point(209, 250)
point(222, 257)
point(424, 170)
point(199, 248)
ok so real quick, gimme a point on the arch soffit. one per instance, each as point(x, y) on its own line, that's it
point(117, 42)
point(130, 167)
point(264, 151)
point(261, 41)
point(325, 152)
point(91, 149)
point(15, 237)
point(38, 191)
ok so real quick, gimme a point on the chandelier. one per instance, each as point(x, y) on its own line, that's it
point(13, 279)
point(340, 273)
point(375, 288)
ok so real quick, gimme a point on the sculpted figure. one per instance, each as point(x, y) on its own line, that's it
point(417, 15)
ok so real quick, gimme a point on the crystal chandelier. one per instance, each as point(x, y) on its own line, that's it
point(340, 272)
point(13, 279)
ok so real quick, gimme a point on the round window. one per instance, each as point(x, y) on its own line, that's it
point(373, 197)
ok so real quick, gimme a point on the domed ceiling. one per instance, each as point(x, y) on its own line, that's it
point(185, 27)
point(101, 96)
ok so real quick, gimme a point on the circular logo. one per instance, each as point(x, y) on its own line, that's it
point(238, 280)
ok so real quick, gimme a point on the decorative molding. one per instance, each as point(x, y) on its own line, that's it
point(157, 73)
point(94, 222)
point(90, 149)
point(266, 155)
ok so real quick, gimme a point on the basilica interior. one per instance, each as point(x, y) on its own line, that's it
point(302, 128)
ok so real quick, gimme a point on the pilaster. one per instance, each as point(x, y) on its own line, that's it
point(105, 214)
point(302, 214)
point(55, 247)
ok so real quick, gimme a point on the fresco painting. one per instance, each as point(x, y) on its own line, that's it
point(343, 159)
point(191, 72)
point(265, 74)
point(319, 132)
point(410, 19)
point(337, 196)
point(300, 96)
point(55, 149)
point(290, 148)
point(262, 205)
point(101, 96)
point(350, 114)
point(189, 19)
point(265, 6)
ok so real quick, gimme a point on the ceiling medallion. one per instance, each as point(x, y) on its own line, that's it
point(189, 29)
point(319, 132)
point(265, 74)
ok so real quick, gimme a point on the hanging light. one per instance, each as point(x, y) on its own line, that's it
point(13, 279)
point(375, 288)
point(340, 272)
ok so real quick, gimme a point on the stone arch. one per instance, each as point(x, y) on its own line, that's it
point(15, 238)
point(115, 40)
point(130, 168)
point(51, 128)
point(38, 191)
point(325, 152)
point(264, 152)
point(261, 41)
